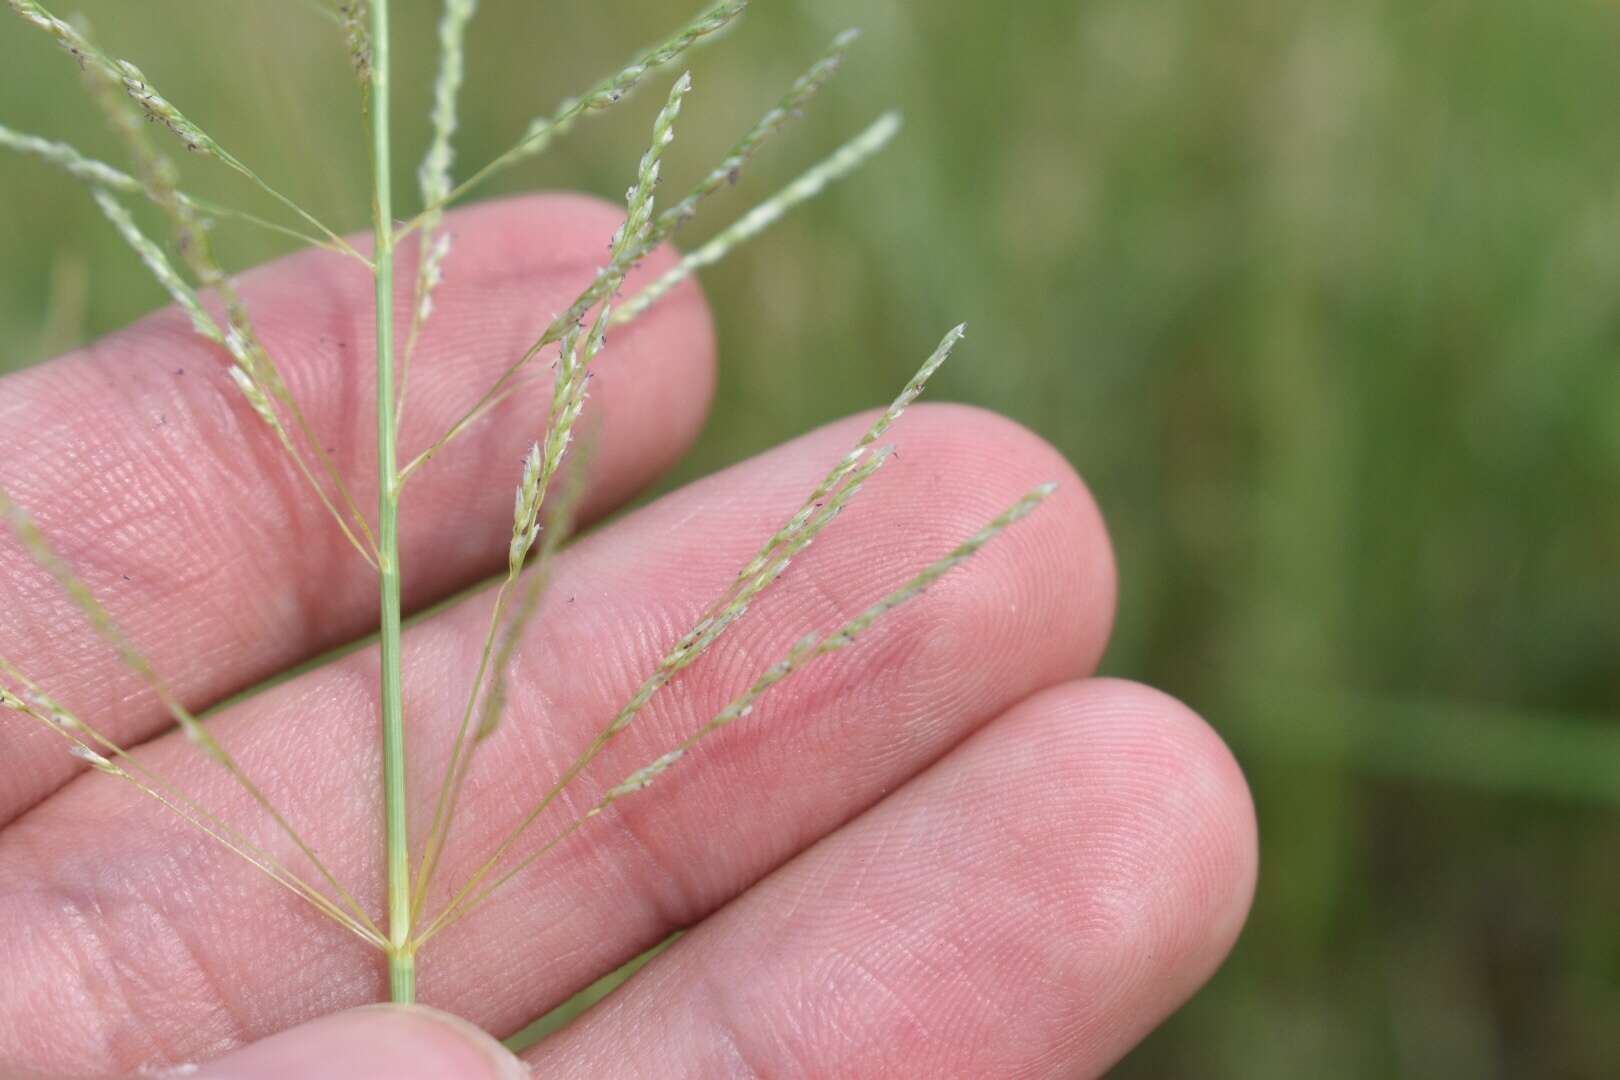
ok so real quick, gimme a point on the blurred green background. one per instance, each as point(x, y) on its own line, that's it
point(1322, 297)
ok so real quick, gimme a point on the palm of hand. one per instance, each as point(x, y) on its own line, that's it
point(948, 852)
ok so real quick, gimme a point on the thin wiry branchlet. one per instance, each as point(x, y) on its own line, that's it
point(806, 651)
point(495, 663)
point(823, 505)
point(610, 91)
point(850, 157)
point(579, 349)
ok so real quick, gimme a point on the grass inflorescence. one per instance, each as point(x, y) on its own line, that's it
point(133, 106)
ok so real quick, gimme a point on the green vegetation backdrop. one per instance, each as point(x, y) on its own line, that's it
point(1323, 296)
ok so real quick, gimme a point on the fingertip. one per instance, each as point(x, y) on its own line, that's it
point(1059, 563)
point(1165, 796)
point(381, 1042)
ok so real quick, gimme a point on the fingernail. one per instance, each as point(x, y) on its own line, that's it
point(385, 1042)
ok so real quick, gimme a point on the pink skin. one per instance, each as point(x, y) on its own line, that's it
point(945, 852)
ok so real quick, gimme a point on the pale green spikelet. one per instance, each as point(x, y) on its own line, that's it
point(179, 290)
point(94, 759)
point(153, 105)
point(434, 173)
point(66, 158)
point(352, 19)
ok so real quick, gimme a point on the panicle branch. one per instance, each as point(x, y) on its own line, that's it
point(433, 176)
point(568, 402)
point(823, 505)
point(90, 745)
point(665, 224)
point(495, 662)
point(603, 95)
point(806, 651)
point(784, 112)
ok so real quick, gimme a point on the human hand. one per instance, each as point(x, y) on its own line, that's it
point(946, 852)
